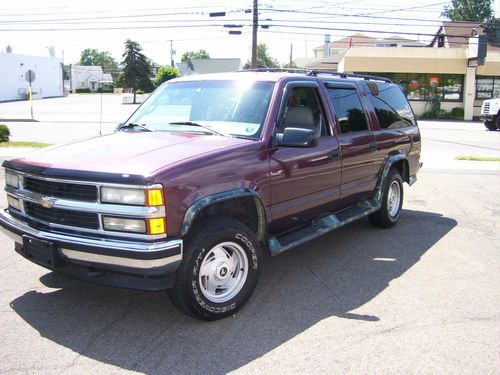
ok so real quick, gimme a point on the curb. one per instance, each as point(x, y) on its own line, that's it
point(18, 120)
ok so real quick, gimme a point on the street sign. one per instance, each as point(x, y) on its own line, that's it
point(30, 76)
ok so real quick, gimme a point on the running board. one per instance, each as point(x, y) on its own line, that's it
point(319, 227)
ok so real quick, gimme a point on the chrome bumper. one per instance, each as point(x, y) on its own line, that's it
point(96, 252)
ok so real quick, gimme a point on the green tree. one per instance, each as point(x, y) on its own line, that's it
point(166, 73)
point(291, 65)
point(93, 57)
point(264, 60)
point(136, 72)
point(468, 10)
point(201, 54)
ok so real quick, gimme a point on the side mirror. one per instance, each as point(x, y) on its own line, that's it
point(297, 137)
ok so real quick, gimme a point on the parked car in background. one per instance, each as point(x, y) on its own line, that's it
point(490, 114)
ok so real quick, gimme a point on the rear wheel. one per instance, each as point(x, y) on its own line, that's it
point(392, 202)
point(492, 125)
point(220, 269)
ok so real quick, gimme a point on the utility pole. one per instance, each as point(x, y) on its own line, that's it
point(291, 54)
point(255, 26)
point(172, 53)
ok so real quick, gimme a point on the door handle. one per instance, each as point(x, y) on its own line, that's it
point(335, 155)
point(372, 145)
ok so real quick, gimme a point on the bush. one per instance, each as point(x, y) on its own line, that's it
point(82, 91)
point(139, 92)
point(166, 73)
point(457, 112)
point(4, 133)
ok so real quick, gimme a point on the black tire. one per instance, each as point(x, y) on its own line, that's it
point(491, 125)
point(191, 292)
point(388, 215)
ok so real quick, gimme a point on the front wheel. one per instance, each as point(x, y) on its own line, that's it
point(220, 269)
point(392, 202)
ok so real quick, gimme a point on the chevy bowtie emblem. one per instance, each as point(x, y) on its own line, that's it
point(47, 202)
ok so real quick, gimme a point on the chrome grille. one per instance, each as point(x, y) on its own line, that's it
point(63, 190)
point(62, 217)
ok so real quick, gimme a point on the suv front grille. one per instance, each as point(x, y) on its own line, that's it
point(63, 190)
point(62, 217)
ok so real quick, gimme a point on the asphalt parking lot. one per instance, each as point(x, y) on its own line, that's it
point(419, 298)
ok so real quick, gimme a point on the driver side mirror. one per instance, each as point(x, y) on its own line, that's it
point(297, 137)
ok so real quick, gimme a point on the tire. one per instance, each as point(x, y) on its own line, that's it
point(220, 269)
point(392, 202)
point(491, 125)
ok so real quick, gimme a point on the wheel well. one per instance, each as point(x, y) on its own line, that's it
point(243, 209)
point(404, 170)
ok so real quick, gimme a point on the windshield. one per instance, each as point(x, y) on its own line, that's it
point(236, 108)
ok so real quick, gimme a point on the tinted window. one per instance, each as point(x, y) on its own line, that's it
point(348, 109)
point(391, 106)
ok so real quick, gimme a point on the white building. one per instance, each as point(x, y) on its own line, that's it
point(46, 75)
point(89, 77)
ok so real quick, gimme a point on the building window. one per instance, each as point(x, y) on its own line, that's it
point(419, 86)
point(487, 87)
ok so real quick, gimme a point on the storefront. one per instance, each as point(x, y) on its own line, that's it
point(426, 72)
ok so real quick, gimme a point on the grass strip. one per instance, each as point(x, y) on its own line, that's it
point(477, 158)
point(12, 144)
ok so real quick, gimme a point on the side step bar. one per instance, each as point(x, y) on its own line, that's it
point(326, 224)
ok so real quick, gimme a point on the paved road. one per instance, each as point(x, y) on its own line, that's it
point(422, 297)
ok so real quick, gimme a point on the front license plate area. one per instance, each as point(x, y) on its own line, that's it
point(38, 251)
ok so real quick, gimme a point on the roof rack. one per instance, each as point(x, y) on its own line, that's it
point(277, 70)
point(315, 73)
point(366, 77)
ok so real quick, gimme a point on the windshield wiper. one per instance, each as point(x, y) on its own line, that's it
point(131, 125)
point(190, 123)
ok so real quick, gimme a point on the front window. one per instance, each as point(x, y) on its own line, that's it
point(235, 108)
point(487, 87)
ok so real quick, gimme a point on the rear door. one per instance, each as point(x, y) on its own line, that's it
point(357, 142)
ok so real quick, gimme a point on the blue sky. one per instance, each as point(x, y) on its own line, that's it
point(36, 24)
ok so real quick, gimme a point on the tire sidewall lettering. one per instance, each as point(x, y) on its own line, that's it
point(201, 301)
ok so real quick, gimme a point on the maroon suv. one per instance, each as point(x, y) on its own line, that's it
point(208, 173)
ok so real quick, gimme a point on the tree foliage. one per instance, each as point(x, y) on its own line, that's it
point(166, 73)
point(136, 72)
point(200, 54)
point(264, 60)
point(468, 10)
point(93, 57)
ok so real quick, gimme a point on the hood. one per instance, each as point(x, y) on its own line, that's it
point(132, 153)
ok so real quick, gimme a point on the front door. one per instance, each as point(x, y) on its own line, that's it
point(305, 182)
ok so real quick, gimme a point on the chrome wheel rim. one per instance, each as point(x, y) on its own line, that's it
point(223, 272)
point(394, 198)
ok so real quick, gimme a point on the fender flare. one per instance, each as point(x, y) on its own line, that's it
point(202, 203)
point(385, 172)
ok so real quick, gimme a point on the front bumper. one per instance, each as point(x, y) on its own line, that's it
point(114, 262)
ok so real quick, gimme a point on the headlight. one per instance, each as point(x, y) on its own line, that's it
point(12, 179)
point(136, 197)
point(124, 225)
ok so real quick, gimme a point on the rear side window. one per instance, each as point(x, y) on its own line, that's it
point(391, 106)
point(348, 109)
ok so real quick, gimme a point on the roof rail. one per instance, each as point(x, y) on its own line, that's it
point(315, 73)
point(277, 70)
point(366, 77)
